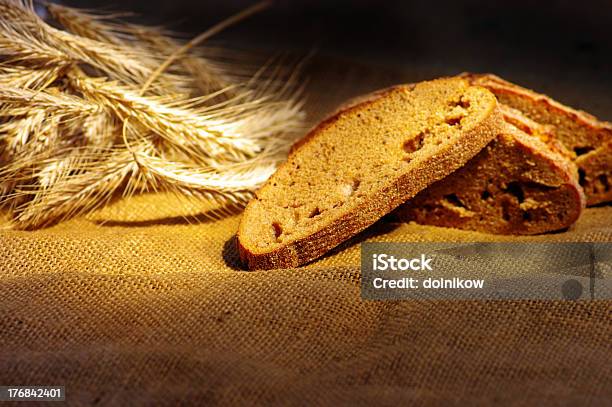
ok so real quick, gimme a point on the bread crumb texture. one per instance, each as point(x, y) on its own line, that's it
point(516, 185)
point(588, 139)
point(413, 133)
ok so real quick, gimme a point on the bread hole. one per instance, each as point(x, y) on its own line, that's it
point(582, 177)
point(453, 121)
point(278, 230)
point(315, 212)
point(415, 143)
point(603, 181)
point(583, 150)
point(515, 189)
point(485, 195)
point(521, 126)
point(537, 185)
point(460, 103)
point(527, 216)
point(454, 200)
point(356, 183)
point(505, 210)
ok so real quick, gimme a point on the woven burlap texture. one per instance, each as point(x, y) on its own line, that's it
point(135, 305)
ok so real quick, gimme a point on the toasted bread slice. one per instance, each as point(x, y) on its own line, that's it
point(362, 163)
point(588, 139)
point(517, 185)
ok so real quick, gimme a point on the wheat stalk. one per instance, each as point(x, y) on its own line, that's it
point(103, 109)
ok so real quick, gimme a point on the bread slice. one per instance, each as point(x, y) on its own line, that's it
point(360, 164)
point(516, 185)
point(588, 139)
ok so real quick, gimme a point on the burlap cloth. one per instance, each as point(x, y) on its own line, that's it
point(134, 305)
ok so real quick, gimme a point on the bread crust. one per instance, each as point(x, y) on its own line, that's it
point(596, 165)
point(397, 191)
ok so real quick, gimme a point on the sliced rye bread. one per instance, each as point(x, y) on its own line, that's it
point(360, 164)
point(588, 139)
point(521, 183)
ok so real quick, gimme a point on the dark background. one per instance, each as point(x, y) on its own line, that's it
point(563, 48)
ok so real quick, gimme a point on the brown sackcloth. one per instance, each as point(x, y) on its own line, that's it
point(134, 305)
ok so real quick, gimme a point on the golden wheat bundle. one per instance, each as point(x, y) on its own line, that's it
point(92, 108)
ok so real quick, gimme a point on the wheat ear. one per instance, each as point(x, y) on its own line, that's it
point(98, 112)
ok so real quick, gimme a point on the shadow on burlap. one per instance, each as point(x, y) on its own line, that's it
point(134, 305)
